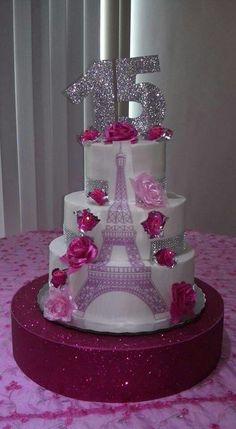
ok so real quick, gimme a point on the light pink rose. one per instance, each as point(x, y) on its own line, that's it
point(120, 131)
point(148, 190)
point(184, 298)
point(58, 305)
point(80, 251)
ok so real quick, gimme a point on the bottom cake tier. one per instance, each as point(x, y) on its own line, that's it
point(119, 298)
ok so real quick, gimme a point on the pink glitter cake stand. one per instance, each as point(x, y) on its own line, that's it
point(121, 368)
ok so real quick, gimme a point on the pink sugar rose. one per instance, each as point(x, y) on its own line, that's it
point(98, 195)
point(80, 251)
point(86, 220)
point(154, 223)
point(184, 298)
point(88, 135)
point(165, 257)
point(157, 132)
point(59, 277)
point(148, 190)
point(59, 305)
point(120, 131)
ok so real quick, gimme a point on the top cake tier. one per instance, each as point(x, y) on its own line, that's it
point(142, 157)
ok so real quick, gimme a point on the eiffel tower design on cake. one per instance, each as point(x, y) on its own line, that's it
point(119, 231)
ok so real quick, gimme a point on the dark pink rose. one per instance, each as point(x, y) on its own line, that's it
point(58, 305)
point(154, 223)
point(98, 195)
point(86, 220)
point(165, 257)
point(88, 135)
point(157, 132)
point(120, 131)
point(148, 190)
point(184, 298)
point(59, 277)
point(80, 251)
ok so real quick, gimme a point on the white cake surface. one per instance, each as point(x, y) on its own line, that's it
point(124, 289)
point(144, 156)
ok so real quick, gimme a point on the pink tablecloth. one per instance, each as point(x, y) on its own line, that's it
point(210, 404)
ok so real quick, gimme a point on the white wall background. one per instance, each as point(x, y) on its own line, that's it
point(196, 43)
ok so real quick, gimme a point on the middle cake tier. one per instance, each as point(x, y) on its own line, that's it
point(171, 237)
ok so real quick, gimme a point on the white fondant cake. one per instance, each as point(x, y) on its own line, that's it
point(125, 288)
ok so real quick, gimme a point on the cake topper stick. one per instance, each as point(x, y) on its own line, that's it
point(115, 89)
point(111, 82)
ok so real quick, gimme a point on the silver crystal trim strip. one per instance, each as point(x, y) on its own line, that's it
point(163, 182)
point(96, 183)
point(175, 243)
point(69, 235)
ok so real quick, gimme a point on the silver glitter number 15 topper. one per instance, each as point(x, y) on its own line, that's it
point(112, 81)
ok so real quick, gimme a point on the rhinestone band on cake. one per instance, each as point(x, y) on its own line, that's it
point(175, 243)
point(96, 183)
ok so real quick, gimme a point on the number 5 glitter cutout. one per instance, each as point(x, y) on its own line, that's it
point(112, 81)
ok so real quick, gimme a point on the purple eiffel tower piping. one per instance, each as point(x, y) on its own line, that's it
point(134, 279)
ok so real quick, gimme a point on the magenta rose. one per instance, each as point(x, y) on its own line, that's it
point(58, 305)
point(80, 251)
point(154, 223)
point(148, 190)
point(86, 220)
point(183, 301)
point(98, 195)
point(165, 257)
point(157, 132)
point(59, 277)
point(120, 131)
point(88, 135)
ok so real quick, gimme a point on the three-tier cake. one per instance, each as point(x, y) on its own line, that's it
point(123, 263)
